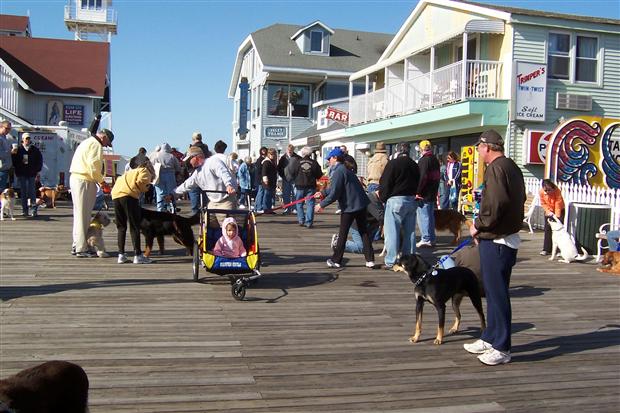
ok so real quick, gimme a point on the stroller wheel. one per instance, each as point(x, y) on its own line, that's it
point(238, 290)
point(196, 262)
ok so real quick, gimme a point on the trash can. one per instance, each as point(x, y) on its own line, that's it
point(583, 222)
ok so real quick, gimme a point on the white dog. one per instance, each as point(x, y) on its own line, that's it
point(94, 235)
point(563, 241)
point(8, 203)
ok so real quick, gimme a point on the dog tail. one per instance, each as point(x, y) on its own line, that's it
point(583, 256)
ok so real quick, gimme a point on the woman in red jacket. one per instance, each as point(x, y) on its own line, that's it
point(552, 202)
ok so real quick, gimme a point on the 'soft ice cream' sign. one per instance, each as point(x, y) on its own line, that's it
point(531, 91)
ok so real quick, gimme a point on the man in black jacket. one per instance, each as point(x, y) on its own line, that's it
point(258, 179)
point(496, 230)
point(427, 194)
point(269, 179)
point(288, 190)
point(349, 161)
point(304, 172)
point(397, 189)
point(28, 162)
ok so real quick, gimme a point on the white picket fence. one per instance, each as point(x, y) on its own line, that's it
point(579, 193)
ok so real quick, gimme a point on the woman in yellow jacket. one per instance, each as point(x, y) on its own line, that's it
point(552, 202)
point(126, 195)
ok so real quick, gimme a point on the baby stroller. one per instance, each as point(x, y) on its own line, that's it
point(242, 270)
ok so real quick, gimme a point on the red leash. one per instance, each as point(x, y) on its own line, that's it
point(309, 197)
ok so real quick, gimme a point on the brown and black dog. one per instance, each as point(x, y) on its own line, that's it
point(155, 224)
point(450, 220)
point(50, 195)
point(51, 387)
point(437, 288)
point(610, 262)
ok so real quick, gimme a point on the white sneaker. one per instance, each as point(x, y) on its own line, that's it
point(370, 264)
point(332, 264)
point(241, 206)
point(141, 259)
point(478, 347)
point(334, 241)
point(122, 259)
point(494, 357)
point(338, 211)
point(424, 244)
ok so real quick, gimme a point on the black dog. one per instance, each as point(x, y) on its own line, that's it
point(155, 224)
point(437, 288)
point(52, 387)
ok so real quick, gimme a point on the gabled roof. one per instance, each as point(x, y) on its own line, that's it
point(303, 29)
point(350, 50)
point(57, 66)
point(10, 23)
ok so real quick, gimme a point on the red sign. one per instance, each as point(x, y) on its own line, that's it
point(536, 147)
point(337, 115)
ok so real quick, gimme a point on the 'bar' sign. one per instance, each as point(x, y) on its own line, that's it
point(337, 115)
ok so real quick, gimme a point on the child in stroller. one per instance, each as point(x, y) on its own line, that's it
point(230, 245)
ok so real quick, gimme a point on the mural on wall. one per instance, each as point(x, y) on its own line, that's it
point(585, 150)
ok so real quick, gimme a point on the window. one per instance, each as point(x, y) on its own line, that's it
point(586, 63)
point(316, 41)
point(281, 95)
point(558, 60)
point(91, 4)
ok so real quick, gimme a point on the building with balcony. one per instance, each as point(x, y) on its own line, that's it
point(283, 71)
point(457, 68)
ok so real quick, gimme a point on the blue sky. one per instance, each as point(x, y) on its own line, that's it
point(172, 60)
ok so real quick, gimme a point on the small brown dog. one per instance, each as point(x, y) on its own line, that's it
point(52, 387)
point(50, 195)
point(610, 263)
point(451, 220)
point(7, 199)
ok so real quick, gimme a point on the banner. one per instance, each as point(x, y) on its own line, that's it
point(530, 91)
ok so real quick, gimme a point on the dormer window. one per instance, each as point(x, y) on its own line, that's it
point(316, 41)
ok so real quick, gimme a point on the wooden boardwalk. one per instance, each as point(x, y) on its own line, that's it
point(307, 338)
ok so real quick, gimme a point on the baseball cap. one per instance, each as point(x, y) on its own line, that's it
point(490, 136)
point(336, 152)
point(108, 133)
point(193, 151)
point(425, 144)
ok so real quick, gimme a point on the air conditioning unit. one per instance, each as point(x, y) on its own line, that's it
point(573, 102)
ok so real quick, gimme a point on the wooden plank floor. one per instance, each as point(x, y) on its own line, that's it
point(307, 338)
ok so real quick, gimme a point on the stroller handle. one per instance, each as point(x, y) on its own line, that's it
point(213, 191)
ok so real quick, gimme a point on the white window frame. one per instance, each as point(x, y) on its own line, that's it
point(572, 69)
point(322, 40)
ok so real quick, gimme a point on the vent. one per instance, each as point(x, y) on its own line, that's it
point(573, 102)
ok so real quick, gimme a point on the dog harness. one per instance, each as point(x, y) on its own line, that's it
point(433, 270)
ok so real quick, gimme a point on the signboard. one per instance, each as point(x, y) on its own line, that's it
point(73, 114)
point(536, 143)
point(277, 133)
point(530, 91)
point(337, 115)
point(244, 87)
point(54, 112)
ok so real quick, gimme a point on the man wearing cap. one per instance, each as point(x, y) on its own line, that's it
point(397, 189)
point(28, 162)
point(376, 165)
point(346, 188)
point(196, 195)
point(427, 194)
point(213, 175)
point(496, 230)
point(86, 172)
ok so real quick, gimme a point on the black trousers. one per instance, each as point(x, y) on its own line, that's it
point(547, 241)
point(127, 210)
point(346, 219)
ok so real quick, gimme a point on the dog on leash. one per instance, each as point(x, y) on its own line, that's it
point(51, 387)
point(564, 242)
point(450, 220)
point(437, 286)
point(155, 224)
point(7, 198)
point(94, 235)
point(610, 263)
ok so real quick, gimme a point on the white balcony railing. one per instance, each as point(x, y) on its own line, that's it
point(443, 86)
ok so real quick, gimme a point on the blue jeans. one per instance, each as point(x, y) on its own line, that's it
point(194, 197)
point(496, 262)
point(355, 245)
point(400, 218)
point(288, 191)
point(258, 202)
point(165, 186)
point(268, 194)
point(27, 192)
point(4, 180)
point(243, 196)
point(308, 217)
point(426, 220)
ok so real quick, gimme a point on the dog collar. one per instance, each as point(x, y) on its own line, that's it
point(96, 225)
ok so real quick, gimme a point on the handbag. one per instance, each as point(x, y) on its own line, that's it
point(453, 194)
